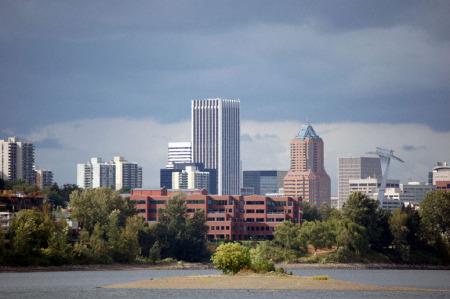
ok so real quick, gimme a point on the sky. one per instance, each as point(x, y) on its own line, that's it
point(84, 79)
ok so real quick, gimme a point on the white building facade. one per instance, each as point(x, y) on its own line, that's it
point(115, 174)
point(355, 168)
point(17, 160)
point(178, 152)
point(216, 140)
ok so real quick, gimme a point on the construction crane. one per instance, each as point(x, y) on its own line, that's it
point(385, 155)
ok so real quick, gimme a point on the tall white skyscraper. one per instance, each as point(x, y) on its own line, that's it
point(216, 140)
point(17, 160)
point(354, 169)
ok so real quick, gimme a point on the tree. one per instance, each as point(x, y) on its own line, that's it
point(93, 206)
point(128, 242)
point(319, 234)
point(310, 213)
point(286, 236)
point(155, 252)
point(400, 231)
point(435, 213)
point(364, 211)
point(231, 258)
point(180, 236)
point(324, 212)
point(30, 231)
point(352, 236)
point(67, 190)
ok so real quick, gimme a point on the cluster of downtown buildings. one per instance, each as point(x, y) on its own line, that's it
point(239, 204)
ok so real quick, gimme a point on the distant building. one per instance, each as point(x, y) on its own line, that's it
point(189, 176)
point(228, 217)
point(394, 197)
point(443, 185)
point(419, 190)
point(216, 141)
point(263, 181)
point(441, 172)
point(307, 176)
point(179, 152)
point(115, 174)
point(44, 178)
point(17, 160)
point(354, 169)
point(128, 174)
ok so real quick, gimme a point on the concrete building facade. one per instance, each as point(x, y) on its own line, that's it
point(44, 178)
point(228, 217)
point(128, 174)
point(441, 172)
point(354, 169)
point(216, 140)
point(307, 176)
point(17, 160)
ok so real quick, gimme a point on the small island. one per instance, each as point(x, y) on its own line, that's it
point(254, 281)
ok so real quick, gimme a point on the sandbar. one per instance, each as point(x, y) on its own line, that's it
point(256, 282)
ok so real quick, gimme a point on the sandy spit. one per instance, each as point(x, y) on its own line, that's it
point(254, 281)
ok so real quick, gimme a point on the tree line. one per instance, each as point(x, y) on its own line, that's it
point(362, 231)
point(113, 232)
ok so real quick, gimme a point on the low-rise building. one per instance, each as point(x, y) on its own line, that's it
point(228, 217)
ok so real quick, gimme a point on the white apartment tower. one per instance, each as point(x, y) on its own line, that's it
point(95, 174)
point(354, 169)
point(115, 174)
point(17, 160)
point(216, 140)
point(128, 174)
point(179, 152)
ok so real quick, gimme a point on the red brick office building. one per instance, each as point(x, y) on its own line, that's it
point(228, 217)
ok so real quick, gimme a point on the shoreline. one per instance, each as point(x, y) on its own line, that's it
point(200, 266)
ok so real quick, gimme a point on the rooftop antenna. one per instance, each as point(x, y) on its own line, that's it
point(385, 155)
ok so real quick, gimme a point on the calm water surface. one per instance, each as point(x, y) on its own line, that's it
point(84, 284)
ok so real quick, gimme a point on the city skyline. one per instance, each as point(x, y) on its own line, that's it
point(80, 82)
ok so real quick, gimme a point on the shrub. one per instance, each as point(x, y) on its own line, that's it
point(231, 258)
point(320, 277)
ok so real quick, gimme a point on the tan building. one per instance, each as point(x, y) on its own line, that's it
point(307, 176)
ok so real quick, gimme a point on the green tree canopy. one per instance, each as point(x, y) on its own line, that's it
point(180, 236)
point(231, 258)
point(93, 206)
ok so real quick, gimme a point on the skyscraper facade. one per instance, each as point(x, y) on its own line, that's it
point(307, 176)
point(179, 152)
point(216, 140)
point(354, 169)
point(17, 160)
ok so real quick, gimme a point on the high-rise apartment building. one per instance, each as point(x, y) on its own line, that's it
point(307, 176)
point(95, 174)
point(179, 152)
point(17, 160)
point(216, 140)
point(44, 178)
point(128, 174)
point(115, 174)
point(354, 169)
point(263, 181)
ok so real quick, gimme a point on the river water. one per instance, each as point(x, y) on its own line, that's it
point(85, 284)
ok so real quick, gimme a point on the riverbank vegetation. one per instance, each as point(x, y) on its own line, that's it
point(113, 233)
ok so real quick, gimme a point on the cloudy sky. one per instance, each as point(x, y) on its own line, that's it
point(104, 78)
